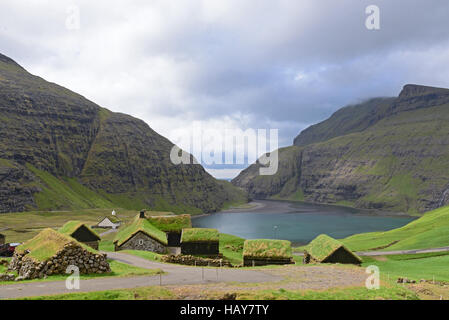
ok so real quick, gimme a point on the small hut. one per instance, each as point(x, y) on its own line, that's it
point(261, 252)
point(172, 226)
point(81, 232)
point(51, 252)
point(325, 249)
point(141, 235)
point(200, 241)
point(111, 222)
point(2, 239)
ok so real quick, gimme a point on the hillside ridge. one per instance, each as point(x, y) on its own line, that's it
point(53, 140)
point(388, 154)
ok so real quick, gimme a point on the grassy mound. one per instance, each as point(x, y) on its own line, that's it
point(171, 223)
point(429, 231)
point(324, 246)
point(46, 244)
point(70, 227)
point(273, 249)
point(140, 225)
point(199, 235)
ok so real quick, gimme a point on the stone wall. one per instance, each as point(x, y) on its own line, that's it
point(140, 241)
point(196, 261)
point(250, 262)
point(71, 254)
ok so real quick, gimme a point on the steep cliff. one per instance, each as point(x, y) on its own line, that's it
point(389, 154)
point(58, 150)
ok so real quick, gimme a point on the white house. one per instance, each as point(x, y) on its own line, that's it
point(109, 223)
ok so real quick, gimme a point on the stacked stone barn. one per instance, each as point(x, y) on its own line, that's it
point(325, 249)
point(51, 252)
point(261, 252)
point(140, 234)
point(81, 232)
point(172, 225)
point(200, 241)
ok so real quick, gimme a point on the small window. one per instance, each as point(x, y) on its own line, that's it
point(140, 242)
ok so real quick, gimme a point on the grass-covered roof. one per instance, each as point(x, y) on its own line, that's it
point(47, 243)
point(266, 248)
point(140, 225)
point(199, 235)
point(70, 227)
point(171, 223)
point(324, 246)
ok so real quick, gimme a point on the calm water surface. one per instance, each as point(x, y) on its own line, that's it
point(299, 222)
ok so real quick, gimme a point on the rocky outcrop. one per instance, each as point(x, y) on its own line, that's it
point(398, 163)
point(71, 255)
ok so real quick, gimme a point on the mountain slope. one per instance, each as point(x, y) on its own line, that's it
point(61, 151)
point(399, 162)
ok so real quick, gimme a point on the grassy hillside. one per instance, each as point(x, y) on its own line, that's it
point(61, 151)
point(415, 267)
point(429, 231)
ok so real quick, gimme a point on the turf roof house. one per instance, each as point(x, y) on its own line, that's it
point(141, 235)
point(80, 232)
point(111, 222)
point(51, 252)
point(172, 226)
point(263, 252)
point(325, 249)
point(200, 241)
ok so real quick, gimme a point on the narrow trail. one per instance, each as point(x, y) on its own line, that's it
point(391, 253)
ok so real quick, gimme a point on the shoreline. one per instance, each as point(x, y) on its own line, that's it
point(288, 206)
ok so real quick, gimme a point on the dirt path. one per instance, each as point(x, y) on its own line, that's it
point(201, 279)
point(176, 275)
point(108, 232)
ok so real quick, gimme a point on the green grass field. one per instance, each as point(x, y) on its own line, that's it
point(147, 293)
point(429, 231)
point(21, 226)
point(415, 266)
point(389, 292)
point(148, 255)
point(232, 248)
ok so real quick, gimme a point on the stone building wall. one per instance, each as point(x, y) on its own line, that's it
point(92, 244)
point(71, 254)
point(140, 241)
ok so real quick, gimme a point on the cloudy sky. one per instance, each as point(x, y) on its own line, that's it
point(228, 64)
